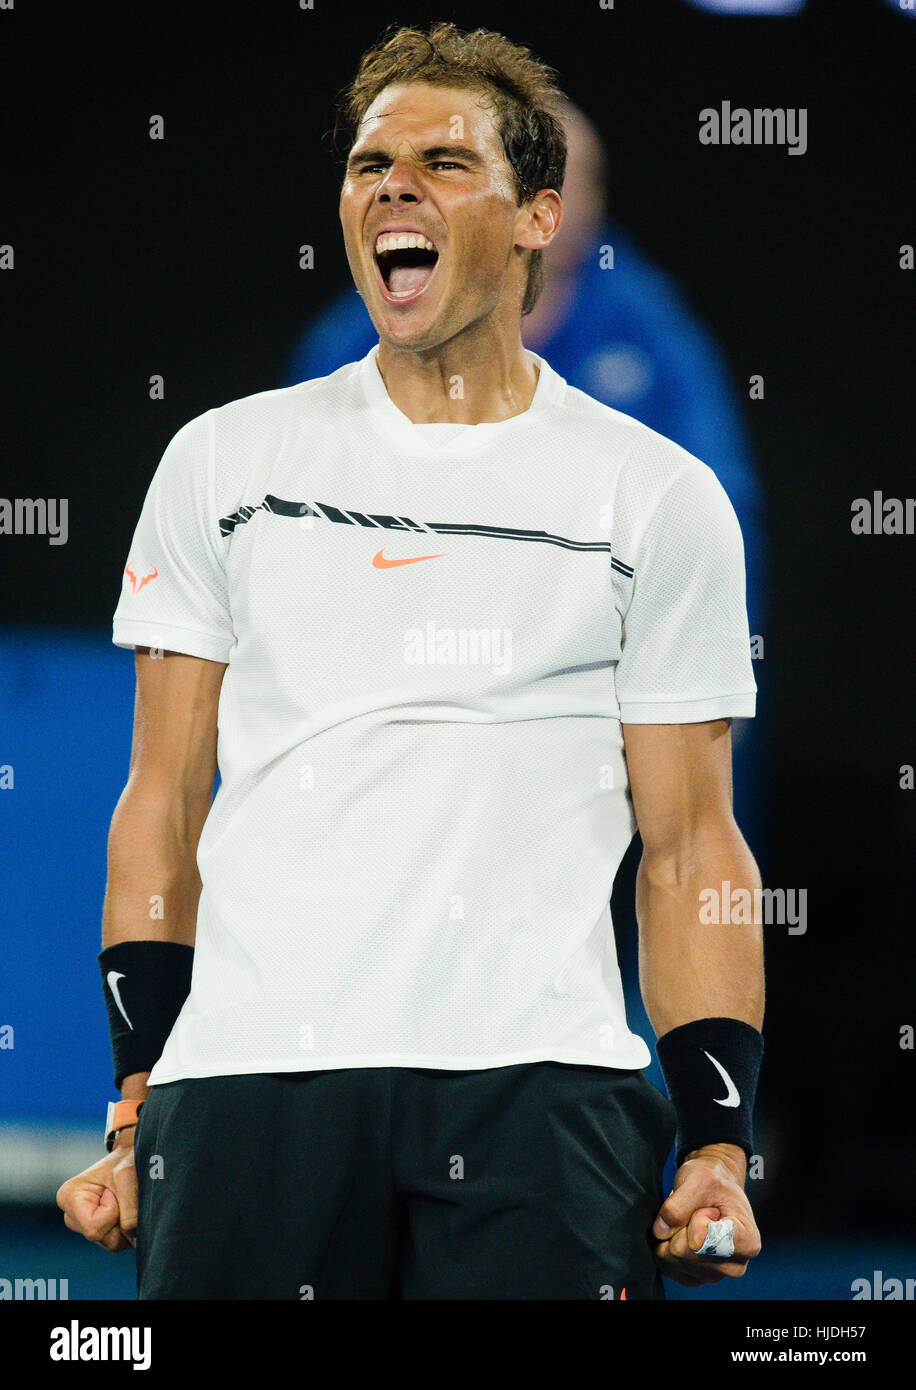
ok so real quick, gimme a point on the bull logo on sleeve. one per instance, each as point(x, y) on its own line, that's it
point(135, 584)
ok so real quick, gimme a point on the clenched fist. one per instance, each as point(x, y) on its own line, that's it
point(708, 1186)
point(101, 1202)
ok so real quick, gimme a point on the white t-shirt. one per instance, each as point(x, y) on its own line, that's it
point(423, 799)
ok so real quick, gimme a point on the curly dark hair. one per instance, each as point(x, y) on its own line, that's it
point(523, 91)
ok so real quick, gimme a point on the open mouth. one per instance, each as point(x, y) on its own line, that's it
point(406, 262)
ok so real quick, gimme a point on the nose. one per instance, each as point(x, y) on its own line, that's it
point(400, 184)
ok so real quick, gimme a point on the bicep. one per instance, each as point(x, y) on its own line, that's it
point(680, 781)
point(175, 724)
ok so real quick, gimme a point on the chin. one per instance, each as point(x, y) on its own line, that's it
point(398, 333)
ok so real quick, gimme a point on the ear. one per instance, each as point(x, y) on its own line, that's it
point(539, 220)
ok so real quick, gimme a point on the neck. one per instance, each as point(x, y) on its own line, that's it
point(480, 376)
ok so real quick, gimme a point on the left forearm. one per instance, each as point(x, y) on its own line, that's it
point(691, 967)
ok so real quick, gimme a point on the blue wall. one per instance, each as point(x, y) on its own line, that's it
point(66, 715)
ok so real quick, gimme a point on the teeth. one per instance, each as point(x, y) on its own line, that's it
point(402, 241)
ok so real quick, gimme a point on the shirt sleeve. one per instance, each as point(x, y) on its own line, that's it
point(174, 593)
point(685, 647)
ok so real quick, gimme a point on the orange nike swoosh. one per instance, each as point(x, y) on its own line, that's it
point(382, 564)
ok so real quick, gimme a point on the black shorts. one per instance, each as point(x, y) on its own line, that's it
point(534, 1181)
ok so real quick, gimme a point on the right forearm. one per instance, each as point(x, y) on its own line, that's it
point(134, 1087)
point(153, 884)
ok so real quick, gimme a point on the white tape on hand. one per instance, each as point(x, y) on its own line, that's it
point(720, 1239)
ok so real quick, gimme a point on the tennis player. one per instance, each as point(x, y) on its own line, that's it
point(450, 631)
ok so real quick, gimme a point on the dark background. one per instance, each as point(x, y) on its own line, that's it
point(179, 257)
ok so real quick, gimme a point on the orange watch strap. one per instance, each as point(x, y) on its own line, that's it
point(124, 1113)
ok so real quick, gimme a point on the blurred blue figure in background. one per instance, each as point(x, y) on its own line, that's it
point(616, 327)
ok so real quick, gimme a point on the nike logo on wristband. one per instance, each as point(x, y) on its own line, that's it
point(113, 977)
point(731, 1097)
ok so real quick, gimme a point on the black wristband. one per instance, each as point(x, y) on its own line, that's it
point(711, 1068)
point(145, 984)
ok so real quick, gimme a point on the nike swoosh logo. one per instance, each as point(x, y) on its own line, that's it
point(732, 1097)
point(382, 564)
point(113, 977)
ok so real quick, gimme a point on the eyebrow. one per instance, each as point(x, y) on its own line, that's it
point(379, 156)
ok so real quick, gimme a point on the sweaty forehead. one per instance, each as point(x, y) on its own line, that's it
point(425, 114)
